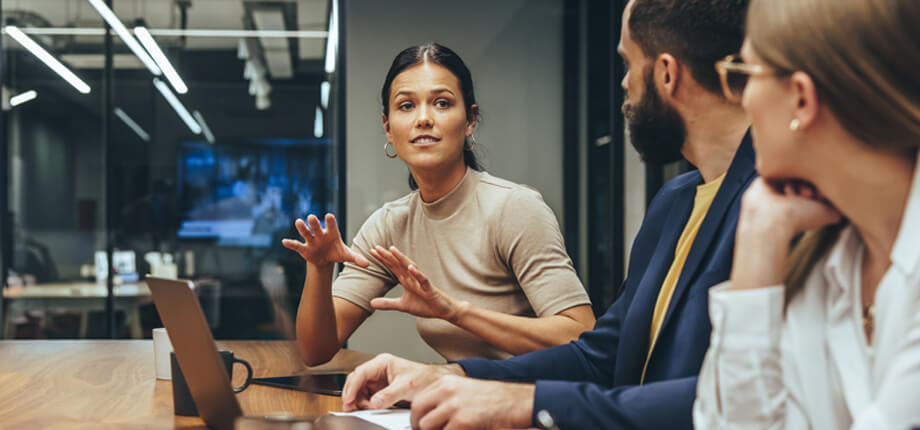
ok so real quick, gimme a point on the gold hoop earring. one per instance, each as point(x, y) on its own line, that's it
point(386, 151)
point(794, 124)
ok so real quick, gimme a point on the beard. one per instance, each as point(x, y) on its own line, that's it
point(656, 129)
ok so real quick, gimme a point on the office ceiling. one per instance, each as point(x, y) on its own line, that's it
point(166, 14)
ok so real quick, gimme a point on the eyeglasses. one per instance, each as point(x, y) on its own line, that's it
point(734, 75)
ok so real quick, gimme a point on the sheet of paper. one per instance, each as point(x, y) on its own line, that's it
point(390, 419)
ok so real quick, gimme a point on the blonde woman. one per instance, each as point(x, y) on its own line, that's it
point(829, 336)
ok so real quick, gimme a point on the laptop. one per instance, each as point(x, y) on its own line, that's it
point(204, 371)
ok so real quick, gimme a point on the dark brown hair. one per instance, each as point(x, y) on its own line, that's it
point(443, 56)
point(696, 32)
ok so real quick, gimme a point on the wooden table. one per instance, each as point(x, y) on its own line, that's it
point(79, 296)
point(76, 384)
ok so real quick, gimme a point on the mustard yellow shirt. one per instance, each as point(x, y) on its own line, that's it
point(705, 194)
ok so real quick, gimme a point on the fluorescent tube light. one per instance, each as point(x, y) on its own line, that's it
point(324, 89)
point(282, 34)
point(242, 51)
point(177, 106)
point(179, 32)
point(318, 123)
point(259, 87)
point(21, 98)
point(132, 125)
point(125, 36)
point(47, 58)
point(154, 49)
point(204, 127)
point(263, 102)
point(254, 69)
point(332, 38)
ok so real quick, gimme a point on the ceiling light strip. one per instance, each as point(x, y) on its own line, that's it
point(122, 115)
point(125, 36)
point(21, 98)
point(47, 58)
point(204, 127)
point(177, 106)
point(332, 42)
point(154, 49)
point(169, 32)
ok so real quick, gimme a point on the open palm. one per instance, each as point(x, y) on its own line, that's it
point(322, 246)
point(419, 298)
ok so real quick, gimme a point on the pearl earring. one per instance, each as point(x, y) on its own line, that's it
point(794, 124)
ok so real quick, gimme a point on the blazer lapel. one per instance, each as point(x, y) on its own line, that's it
point(638, 321)
point(739, 172)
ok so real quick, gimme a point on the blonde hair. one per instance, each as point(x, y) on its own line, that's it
point(863, 57)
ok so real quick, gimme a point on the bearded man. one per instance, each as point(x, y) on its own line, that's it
point(638, 367)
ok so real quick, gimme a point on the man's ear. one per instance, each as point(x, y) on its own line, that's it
point(667, 74)
point(805, 99)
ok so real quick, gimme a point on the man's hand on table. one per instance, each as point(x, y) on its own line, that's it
point(440, 395)
point(386, 380)
point(457, 402)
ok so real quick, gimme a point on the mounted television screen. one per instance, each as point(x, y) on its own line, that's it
point(247, 193)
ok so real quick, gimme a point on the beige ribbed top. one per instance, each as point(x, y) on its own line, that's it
point(489, 241)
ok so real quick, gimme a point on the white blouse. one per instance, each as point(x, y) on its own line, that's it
point(813, 368)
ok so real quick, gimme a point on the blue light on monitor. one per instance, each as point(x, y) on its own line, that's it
point(242, 194)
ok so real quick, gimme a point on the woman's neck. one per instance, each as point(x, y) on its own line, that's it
point(436, 183)
point(872, 194)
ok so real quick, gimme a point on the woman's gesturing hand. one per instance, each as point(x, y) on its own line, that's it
point(419, 298)
point(322, 246)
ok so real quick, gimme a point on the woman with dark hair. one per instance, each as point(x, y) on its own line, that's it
point(827, 336)
point(490, 278)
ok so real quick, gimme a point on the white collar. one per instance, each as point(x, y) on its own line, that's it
point(843, 260)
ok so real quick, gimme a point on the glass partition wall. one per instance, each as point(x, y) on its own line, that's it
point(182, 143)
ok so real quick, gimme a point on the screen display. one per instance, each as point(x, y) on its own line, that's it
point(243, 193)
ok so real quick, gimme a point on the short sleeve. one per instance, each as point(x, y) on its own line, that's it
point(360, 285)
point(531, 244)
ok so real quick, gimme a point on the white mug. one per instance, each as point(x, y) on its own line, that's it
point(161, 349)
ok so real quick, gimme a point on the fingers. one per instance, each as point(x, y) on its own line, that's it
point(419, 280)
point(815, 214)
point(331, 225)
point(437, 418)
point(424, 404)
point(799, 189)
point(356, 390)
point(387, 397)
point(421, 406)
point(313, 221)
point(303, 230)
point(401, 257)
point(801, 205)
point(390, 261)
point(384, 304)
point(293, 245)
point(358, 259)
point(420, 277)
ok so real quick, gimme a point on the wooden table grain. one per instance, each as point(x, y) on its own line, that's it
point(63, 384)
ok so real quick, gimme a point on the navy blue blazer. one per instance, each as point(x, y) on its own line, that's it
point(593, 383)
